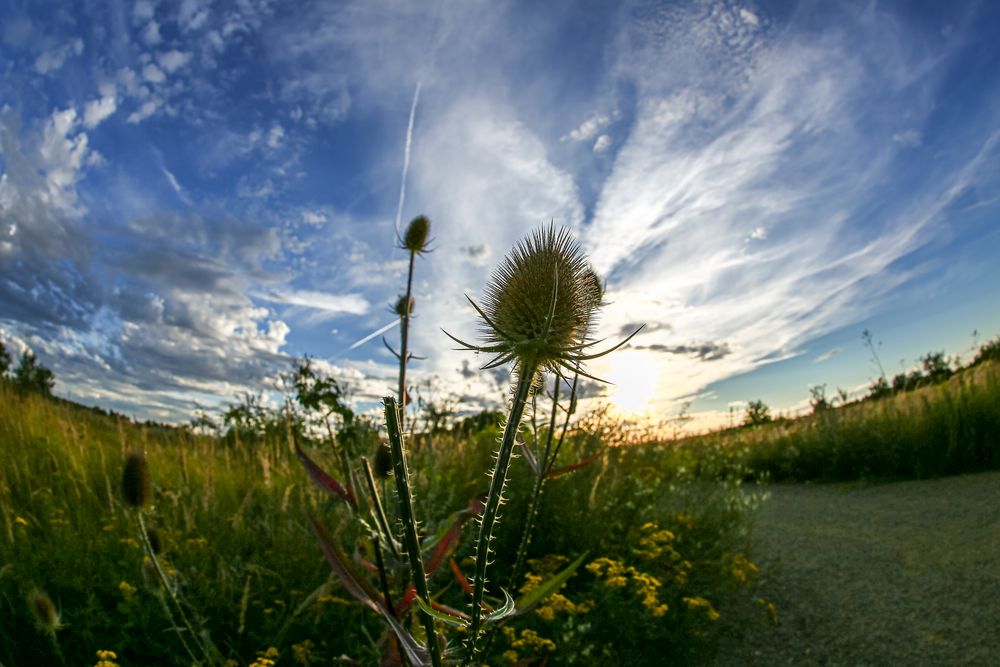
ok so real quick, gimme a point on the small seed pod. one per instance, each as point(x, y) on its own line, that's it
point(43, 611)
point(400, 307)
point(135, 480)
point(417, 232)
point(383, 461)
point(155, 542)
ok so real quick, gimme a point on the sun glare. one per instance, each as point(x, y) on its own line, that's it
point(634, 377)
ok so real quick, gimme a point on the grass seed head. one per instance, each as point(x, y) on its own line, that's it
point(135, 480)
point(415, 239)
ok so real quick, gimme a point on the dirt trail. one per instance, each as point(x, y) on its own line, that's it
point(906, 573)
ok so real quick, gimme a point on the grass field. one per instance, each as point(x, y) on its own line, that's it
point(663, 530)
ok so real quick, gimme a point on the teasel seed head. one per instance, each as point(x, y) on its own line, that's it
point(44, 612)
point(415, 239)
point(383, 461)
point(539, 304)
point(400, 307)
point(135, 480)
point(155, 541)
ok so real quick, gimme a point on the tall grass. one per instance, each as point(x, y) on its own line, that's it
point(943, 429)
point(238, 549)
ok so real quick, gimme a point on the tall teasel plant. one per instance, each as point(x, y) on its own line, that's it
point(542, 458)
point(136, 491)
point(414, 242)
point(536, 313)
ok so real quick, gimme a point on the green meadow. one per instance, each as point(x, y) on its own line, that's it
point(662, 529)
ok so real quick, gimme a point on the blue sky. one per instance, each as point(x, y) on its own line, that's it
point(195, 193)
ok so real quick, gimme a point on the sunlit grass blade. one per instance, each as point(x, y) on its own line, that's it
point(529, 600)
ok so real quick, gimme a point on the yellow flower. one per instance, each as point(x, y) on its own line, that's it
point(303, 652)
point(20, 521)
point(702, 603)
point(128, 591)
point(106, 659)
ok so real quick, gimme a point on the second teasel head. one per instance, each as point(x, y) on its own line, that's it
point(417, 234)
point(135, 480)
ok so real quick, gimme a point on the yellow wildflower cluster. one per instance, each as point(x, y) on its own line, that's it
point(616, 575)
point(528, 641)
point(128, 591)
point(656, 544)
point(555, 603)
point(684, 519)
point(303, 652)
point(743, 570)
point(265, 658)
point(702, 603)
point(196, 543)
point(106, 659)
point(20, 521)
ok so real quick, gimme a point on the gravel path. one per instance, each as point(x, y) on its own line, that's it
point(906, 573)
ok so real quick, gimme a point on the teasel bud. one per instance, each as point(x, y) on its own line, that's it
point(383, 461)
point(400, 307)
point(44, 612)
point(415, 239)
point(135, 480)
point(155, 542)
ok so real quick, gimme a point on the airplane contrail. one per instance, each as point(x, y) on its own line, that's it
point(364, 340)
point(406, 157)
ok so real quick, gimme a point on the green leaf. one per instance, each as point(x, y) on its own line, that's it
point(506, 610)
point(551, 585)
point(444, 617)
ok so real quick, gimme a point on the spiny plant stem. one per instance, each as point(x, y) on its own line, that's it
point(536, 492)
point(525, 377)
point(210, 656)
point(404, 329)
point(410, 539)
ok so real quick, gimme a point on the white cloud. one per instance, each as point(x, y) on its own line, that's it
point(153, 74)
point(97, 111)
point(173, 60)
point(151, 34)
point(588, 128)
point(51, 60)
point(827, 356)
point(148, 108)
point(909, 138)
point(192, 14)
point(143, 10)
point(602, 144)
point(275, 136)
point(328, 305)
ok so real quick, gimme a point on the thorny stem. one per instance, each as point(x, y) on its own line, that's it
point(410, 539)
point(525, 377)
point(404, 337)
point(212, 655)
point(536, 492)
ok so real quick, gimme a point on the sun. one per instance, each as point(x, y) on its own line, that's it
point(634, 377)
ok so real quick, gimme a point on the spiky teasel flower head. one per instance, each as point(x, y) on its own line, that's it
point(44, 612)
point(401, 306)
point(135, 480)
point(539, 304)
point(417, 233)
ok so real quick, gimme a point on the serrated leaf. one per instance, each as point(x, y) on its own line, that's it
point(508, 609)
point(415, 652)
point(551, 585)
point(322, 479)
point(450, 617)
